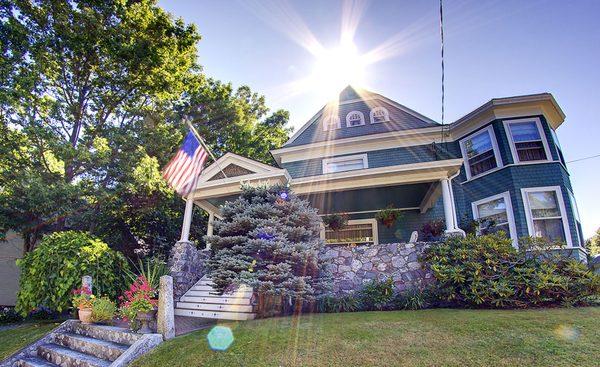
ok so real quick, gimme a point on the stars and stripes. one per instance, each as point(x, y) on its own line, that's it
point(183, 170)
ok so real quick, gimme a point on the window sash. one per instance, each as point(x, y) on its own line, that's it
point(546, 213)
point(341, 166)
point(480, 152)
point(527, 140)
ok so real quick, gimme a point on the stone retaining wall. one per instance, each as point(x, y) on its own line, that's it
point(186, 265)
point(352, 266)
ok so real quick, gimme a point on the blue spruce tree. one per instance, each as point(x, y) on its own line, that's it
point(269, 239)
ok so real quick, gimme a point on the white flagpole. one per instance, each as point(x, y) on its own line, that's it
point(193, 129)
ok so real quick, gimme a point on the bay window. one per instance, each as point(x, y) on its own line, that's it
point(546, 214)
point(527, 140)
point(497, 209)
point(480, 152)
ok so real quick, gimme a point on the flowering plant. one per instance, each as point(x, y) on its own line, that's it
point(83, 297)
point(138, 298)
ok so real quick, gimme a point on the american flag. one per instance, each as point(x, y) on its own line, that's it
point(183, 170)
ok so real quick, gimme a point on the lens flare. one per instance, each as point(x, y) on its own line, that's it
point(220, 338)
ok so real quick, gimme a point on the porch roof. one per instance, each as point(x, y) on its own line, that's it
point(213, 188)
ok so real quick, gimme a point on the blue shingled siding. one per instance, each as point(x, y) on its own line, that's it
point(511, 178)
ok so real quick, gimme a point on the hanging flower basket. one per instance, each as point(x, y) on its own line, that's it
point(388, 216)
point(335, 222)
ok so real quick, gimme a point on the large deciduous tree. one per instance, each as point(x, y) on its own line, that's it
point(92, 94)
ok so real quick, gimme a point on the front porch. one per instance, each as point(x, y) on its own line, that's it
point(422, 191)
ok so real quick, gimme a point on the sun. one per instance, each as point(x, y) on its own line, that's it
point(338, 67)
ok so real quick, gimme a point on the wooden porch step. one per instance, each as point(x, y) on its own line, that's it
point(220, 315)
point(216, 300)
point(214, 307)
point(236, 294)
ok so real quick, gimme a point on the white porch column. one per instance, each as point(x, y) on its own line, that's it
point(187, 218)
point(449, 211)
point(209, 227)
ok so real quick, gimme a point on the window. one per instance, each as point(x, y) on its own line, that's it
point(379, 114)
point(355, 118)
point(558, 147)
point(546, 214)
point(575, 210)
point(331, 122)
point(498, 209)
point(356, 232)
point(480, 152)
point(527, 141)
point(347, 163)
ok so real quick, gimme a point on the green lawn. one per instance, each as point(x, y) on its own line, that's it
point(547, 337)
point(12, 340)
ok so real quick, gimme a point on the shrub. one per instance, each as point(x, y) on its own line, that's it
point(55, 267)
point(8, 315)
point(487, 271)
point(377, 295)
point(151, 268)
point(415, 298)
point(42, 313)
point(103, 309)
point(332, 304)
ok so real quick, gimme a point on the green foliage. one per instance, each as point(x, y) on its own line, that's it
point(593, 244)
point(8, 315)
point(487, 271)
point(415, 298)
point(335, 221)
point(433, 230)
point(103, 309)
point(377, 295)
point(151, 268)
point(388, 216)
point(269, 239)
point(332, 304)
point(55, 267)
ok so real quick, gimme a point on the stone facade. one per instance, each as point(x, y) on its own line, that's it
point(352, 266)
point(186, 265)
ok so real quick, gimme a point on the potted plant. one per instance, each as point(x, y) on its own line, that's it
point(103, 310)
point(335, 222)
point(388, 216)
point(83, 300)
point(139, 305)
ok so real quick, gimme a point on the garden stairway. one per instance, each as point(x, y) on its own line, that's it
point(74, 344)
point(203, 301)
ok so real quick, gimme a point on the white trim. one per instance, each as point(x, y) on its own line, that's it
point(372, 211)
point(513, 165)
point(327, 122)
point(386, 114)
point(371, 221)
point(360, 114)
point(561, 204)
point(231, 158)
point(511, 142)
point(512, 227)
point(327, 161)
point(495, 149)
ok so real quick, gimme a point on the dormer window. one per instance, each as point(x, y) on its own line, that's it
point(379, 114)
point(331, 122)
point(355, 118)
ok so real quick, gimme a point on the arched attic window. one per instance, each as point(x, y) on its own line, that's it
point(379, 114)
point(331, 122)
point(355, 118)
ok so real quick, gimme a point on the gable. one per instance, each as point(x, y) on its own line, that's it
point(232, 170)
point(350, 100)
point(234, 166)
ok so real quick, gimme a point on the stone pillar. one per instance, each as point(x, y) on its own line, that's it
point(187, 218)
point(166, 313)
point(186, 266)
point(449, 211)
point(86, 281)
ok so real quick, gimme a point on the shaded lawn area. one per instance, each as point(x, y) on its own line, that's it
point(11, 340)
point(443, 337)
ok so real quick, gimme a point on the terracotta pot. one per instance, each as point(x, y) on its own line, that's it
point(145, 318)
point(85, 315)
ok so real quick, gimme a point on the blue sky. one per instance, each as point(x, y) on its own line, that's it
point(492, 49)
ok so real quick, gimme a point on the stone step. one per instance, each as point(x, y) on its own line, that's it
point(97, 347)
point(239, 316)
point(216, 300)
point(34, 362)
point(108, 333)
point(66, 357)
point(214, 307)
point(236, 294)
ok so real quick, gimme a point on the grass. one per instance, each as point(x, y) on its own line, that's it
point(443, 337)
point(11, 340)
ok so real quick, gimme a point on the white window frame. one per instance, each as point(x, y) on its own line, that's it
point(463, 150)
point(561, 206)
point(511, 142)
point(362, 118)
point(512, 227)
point(327, 123)
point(327, 161)
point(576, 216)
point(371, 221)
point(386, 114)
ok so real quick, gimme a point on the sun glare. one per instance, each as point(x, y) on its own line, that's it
point(337, 67)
